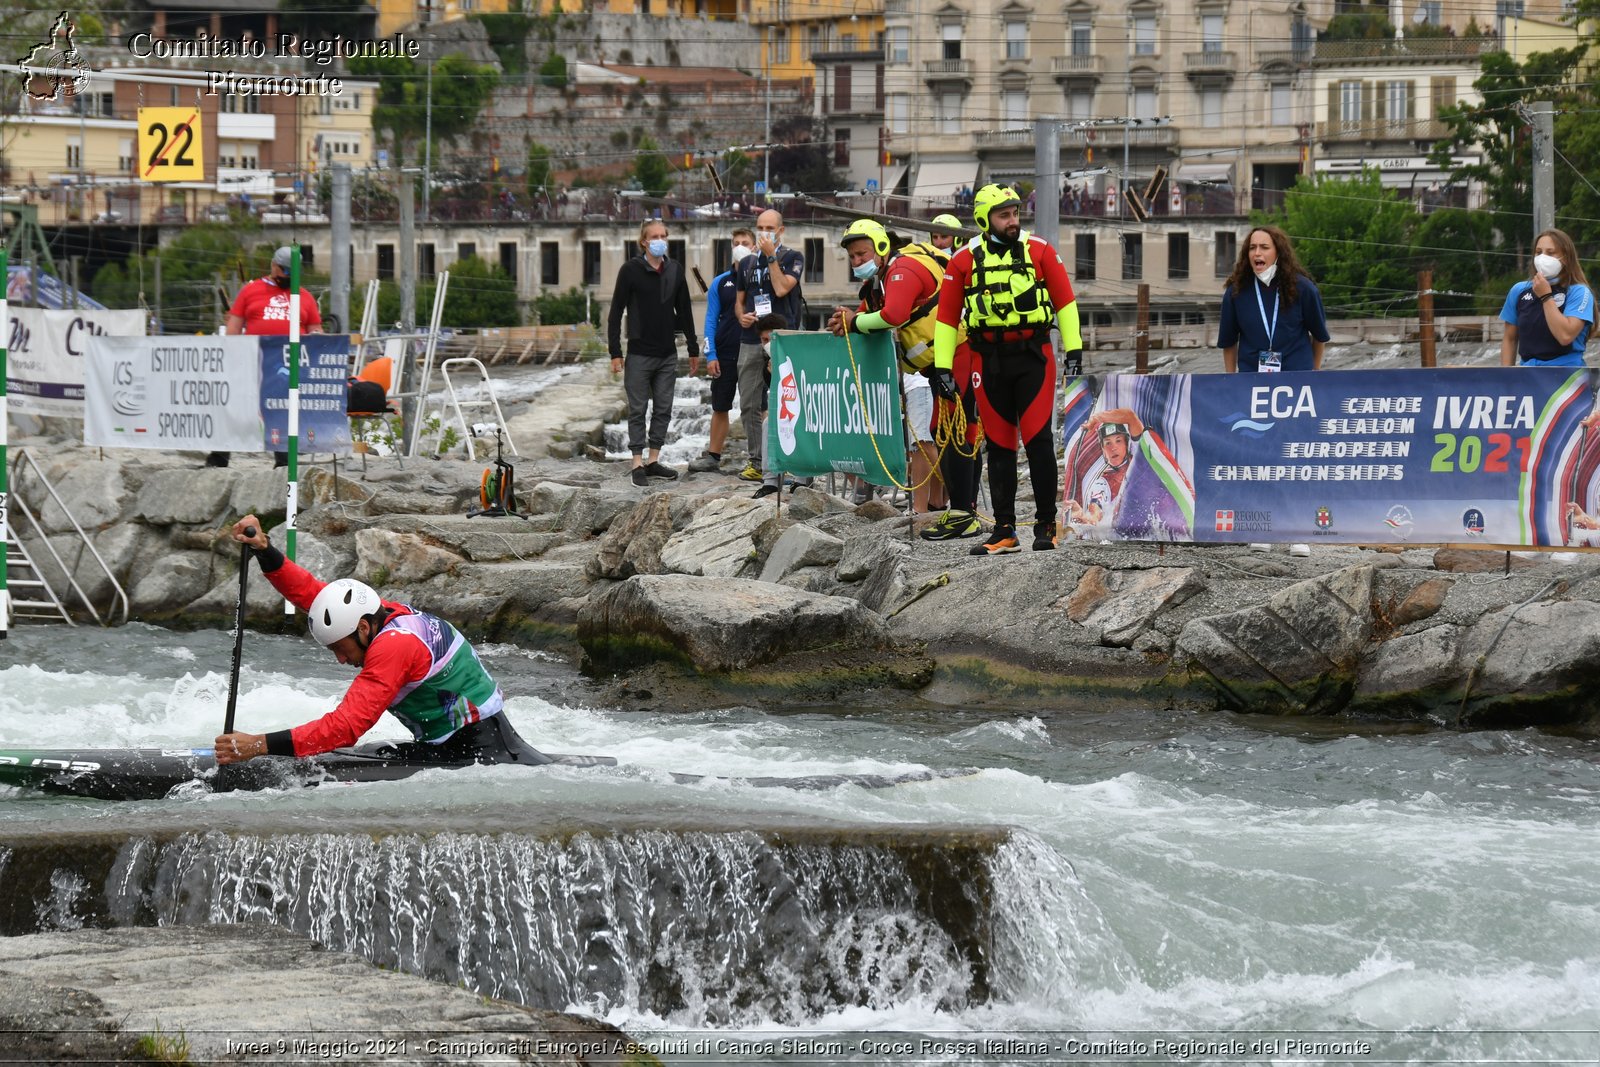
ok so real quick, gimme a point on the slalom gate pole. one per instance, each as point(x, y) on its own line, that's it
point(294, 409)
point(5, 334)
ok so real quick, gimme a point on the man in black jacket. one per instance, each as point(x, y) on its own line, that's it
point(653, 292)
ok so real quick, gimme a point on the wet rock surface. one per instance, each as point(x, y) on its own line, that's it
point(214, 994)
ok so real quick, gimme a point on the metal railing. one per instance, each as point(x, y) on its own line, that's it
point(1210, 61)
point(116, 612)
point(1075, 65)
point(1380, 129)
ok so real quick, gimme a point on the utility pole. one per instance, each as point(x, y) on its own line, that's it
point(408, 297)
point(1544, 165)
point(427, 142)
point(766, 154)
point(158, 294)
point(1047, 179)
point(1425, 316)
point(1141, 328)
point(339, 232)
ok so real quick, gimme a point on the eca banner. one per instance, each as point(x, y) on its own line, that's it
point(1497, 455)
point(44, 372)
point(324, 383)
point(835, 406)
point(172, 392)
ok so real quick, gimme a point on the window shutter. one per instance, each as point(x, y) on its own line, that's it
point(1368, 91)
point(878, 89)
point(841, 87)
point(1335, 116)
point(1411, 99)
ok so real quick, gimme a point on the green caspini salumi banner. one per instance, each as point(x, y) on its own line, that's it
point(834, 406)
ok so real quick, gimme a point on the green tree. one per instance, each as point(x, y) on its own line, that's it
point(553, 71)
point(1499, 124)
point(190, 266)
point(555, 309)
point(1351, 234)
point(479, 295)
point(1358, 26)
point(460, 88)
point(651, 169)
point(803, 162)
point(1459, 247)
point(538, 177)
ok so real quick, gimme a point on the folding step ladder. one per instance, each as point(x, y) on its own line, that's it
point(491, 403)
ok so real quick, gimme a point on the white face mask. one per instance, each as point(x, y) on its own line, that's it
point(768, 235)
point(1549, 266)
point(740, 251)
point(1267, 275)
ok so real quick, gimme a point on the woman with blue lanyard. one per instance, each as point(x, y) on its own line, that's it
point(1272, 317)
point(1548, 317)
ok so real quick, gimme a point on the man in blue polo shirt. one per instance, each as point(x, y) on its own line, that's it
point(767, 283)
point(722, 350)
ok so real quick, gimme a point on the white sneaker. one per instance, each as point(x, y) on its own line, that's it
point(1299, 550)
point(1257, 546)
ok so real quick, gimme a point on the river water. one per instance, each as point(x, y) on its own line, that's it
point(1167, 876)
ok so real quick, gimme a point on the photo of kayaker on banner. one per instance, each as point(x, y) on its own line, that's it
point(1123, 479)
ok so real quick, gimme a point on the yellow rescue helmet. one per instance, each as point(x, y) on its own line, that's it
point(987, 199)
point(869, 229)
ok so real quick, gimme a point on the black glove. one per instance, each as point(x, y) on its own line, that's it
point(1074, 362)
point(944, 383)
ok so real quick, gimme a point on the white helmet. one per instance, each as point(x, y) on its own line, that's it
point(339, 607)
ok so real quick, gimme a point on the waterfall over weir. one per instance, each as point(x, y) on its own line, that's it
point(699, 928)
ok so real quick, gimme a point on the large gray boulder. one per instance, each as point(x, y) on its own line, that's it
point(384, 558)
point(633, 543)
point(721, 540)
point(800, 546)
point(718, 624)
point(186, 496)
point(1124, 605)
point(1298, 652)
point(1525, 664)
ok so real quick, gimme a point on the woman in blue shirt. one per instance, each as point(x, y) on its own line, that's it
point(1272, 317)
point(1549, 316)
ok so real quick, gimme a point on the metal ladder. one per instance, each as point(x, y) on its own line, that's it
point(40, 601)
point(493, 404)
point(31, 599)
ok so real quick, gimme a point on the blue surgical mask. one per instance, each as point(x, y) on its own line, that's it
point(657, 248)
point(866, 270)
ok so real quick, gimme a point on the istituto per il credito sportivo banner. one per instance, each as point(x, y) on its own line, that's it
point(44, 375)
point(1502, 455)
point(836, 407)
point(213, 393)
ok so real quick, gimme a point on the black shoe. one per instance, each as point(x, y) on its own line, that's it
point(217, 459)
point(764, 491)
point(1002, 540)
point(279, 459)
point(640, 478)
point(656, 469)
point(1044, 536)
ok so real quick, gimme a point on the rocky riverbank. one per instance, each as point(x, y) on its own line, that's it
point(256, 993)
point(689, 592)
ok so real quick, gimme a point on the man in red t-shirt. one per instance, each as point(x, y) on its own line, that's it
point(262, 307)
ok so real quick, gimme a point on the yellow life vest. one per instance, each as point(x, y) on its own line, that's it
point(915, 335)
point(1004, 291)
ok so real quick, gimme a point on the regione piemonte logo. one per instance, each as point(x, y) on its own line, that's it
point(1224, 521)
point(54, 63)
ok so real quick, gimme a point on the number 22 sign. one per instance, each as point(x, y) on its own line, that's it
point(171, 148)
